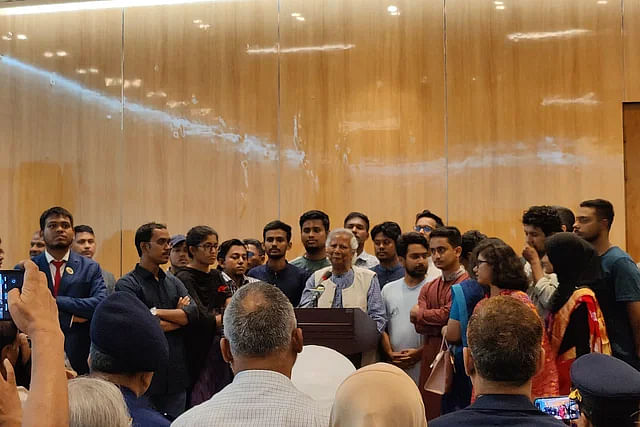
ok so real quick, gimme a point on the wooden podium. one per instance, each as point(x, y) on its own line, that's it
point(349, 331)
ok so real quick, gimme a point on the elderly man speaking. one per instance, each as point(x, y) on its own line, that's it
point(344, 285)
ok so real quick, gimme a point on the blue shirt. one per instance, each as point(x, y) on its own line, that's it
point(497, 410)
point(388, 275)
point(472, 293)
point(375, 306)
point(622, 279)
point(290, 280)
point(142, 414)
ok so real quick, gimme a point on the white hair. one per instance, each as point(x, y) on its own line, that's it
point(262, 327)
point(97, 403)
point(344, 231)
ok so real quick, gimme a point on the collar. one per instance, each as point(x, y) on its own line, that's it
point(270, 270)
point(392, 269)
point(147, 275)
point(345, 274)
point(514, 402)
point(256, 376)
point(364, 255)
point(227, 278)
point(453, 276)
point(50, 258)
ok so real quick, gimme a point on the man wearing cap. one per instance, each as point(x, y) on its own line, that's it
point(607, 390)
point(127, 353)
point(168, 299)
point(179, 255)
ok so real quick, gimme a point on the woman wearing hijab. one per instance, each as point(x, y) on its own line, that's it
point(499, 268)
point(378, 395)
point(575, 325)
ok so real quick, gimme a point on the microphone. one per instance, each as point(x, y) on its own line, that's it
point(319, 289)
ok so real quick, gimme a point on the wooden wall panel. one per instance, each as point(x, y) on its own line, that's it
point(632, 177)
point(362, 109)
point(200, 124)
point(235, 113)
point(534, 110)
point(60, 137)
point(631, 21)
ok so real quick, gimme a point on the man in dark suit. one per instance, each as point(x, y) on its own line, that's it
point(75, 282)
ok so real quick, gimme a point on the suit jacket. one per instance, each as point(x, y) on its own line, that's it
point(81, 290)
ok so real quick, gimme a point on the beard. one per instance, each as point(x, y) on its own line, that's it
point(417, 273)
point(59, 245)
point(276, 256)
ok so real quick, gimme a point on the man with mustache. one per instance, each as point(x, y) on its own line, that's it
point(84, 243)
point(277, 271)
point(168, 300)
point(401, 342)
point(384, 241)
point(36, 244)
point(314, 227)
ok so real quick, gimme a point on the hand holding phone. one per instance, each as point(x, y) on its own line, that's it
point(9, 279)
point(33, 308)
point(559, 407)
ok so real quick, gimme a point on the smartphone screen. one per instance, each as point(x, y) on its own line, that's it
point(9, 279)
point(561, 408)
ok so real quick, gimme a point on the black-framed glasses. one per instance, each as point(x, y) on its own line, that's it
point(481, 261)
point(250, 254)
point(208, 247)
point(424, 228)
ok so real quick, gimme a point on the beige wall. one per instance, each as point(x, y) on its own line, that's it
point(473, 111)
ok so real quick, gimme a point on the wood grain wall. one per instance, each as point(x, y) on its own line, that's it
point(234, 113)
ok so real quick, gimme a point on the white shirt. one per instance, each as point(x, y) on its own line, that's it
point(398, 299)
point(257, 398)
point(52, 268)
point(365, 260)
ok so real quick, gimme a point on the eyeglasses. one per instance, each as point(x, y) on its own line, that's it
point(424, 228)
point(481, 261)
point(250, 254)
point(209, 247)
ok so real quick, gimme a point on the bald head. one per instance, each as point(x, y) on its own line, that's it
point(259, 321)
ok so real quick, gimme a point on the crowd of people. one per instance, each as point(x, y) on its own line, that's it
point(213, 338)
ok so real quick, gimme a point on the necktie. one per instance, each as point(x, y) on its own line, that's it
point(57, 277)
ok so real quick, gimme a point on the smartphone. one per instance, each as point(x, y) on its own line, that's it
point(9, 279)
point(560, 408)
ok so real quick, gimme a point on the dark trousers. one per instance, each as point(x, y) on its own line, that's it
point(171, 405)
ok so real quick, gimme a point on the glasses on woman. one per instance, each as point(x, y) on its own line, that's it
point(208, 247)
point(424, 228)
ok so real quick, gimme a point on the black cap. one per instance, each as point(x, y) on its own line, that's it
point(607, 388)
point(123, 327)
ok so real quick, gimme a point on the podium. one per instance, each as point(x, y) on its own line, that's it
point(349, 331)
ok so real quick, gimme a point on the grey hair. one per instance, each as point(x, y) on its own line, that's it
point(261, 326)
point(352, 239)
point(97, 403)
